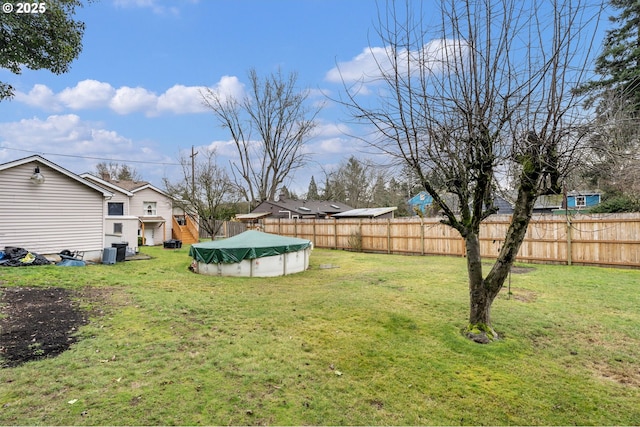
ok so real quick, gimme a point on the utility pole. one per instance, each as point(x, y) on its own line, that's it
point(193, 172)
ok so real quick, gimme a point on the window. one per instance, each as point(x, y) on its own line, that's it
point(115, 209)
point(117, 228)
point(581, 201)
point(149, 208)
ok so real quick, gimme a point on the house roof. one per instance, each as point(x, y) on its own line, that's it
point(365, 212)
point(421, 198)
point(146, 219)
point(106, 184)
point(584, 193)
point(306, 207)
point(124, 186)
point(39, 159)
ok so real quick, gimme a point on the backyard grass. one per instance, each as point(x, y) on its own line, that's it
point(375, 340)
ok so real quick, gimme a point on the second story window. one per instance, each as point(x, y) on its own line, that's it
point(150, 208)
point(115, 209)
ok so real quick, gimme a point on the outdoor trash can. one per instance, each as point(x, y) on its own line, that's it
point(121, 250)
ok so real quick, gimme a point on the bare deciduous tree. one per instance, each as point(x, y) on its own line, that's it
point(269, 128)
point(120, 172)
point(486, 85)
point(206, 194)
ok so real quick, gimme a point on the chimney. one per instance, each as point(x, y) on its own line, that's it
point(105, 176)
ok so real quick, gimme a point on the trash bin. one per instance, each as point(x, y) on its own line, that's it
point(121, 250)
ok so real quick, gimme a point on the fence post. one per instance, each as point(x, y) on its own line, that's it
point(335, 234)
point(388, 235)
point(314, 231)
point(569, 255)
point(421, 236)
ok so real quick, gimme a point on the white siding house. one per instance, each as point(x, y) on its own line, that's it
point(155, 210)
point(137, 210)
point(59, 211)
point(120, 225)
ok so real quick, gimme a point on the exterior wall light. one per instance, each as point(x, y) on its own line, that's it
point(37, 178)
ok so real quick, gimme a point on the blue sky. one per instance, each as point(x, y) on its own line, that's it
point(133, 95)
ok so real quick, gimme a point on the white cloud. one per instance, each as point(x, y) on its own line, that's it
point(229, 86)
point(87, 94)
point(129, 100)
point(224, 148)
point(365, 65)
point(369, 66)
point(328, 129)
point(39, 96)
point(181, 99)
point(64, 134)
point(334, 146)
point(78, 145)
point(92, 94)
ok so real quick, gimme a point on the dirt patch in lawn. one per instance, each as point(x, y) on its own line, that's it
point(521, 270)
point(625, 373)
point(518, 294)
point(36, 323)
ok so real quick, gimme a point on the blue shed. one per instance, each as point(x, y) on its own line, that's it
point(582, 199)
point(420, 201)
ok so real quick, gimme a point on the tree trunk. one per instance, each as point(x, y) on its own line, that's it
point(484, 290)
point(481, 294)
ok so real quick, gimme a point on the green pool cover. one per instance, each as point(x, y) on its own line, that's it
point(248, 245)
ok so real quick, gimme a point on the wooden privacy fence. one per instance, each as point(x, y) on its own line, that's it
point(602, 239)
point(225, 229)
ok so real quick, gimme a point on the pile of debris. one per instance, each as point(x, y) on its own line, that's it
point(20, 257)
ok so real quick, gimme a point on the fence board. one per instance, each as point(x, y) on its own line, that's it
point(602, 239)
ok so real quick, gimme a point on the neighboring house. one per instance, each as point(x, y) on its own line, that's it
point(371, 213)
point(139, 213)
point(582, 199)
point(45, 208)
point(288, 208)
point(422, 202)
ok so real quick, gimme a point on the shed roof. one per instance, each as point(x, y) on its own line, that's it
point(252, 215)
point(365, 212)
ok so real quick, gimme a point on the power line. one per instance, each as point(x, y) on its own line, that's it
point(91, 158)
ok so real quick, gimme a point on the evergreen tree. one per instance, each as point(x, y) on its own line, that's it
point(619, 62)
point(327, 190)
point(379, 193)
point(312, 192)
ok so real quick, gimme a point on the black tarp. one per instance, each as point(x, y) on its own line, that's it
point(20, 257)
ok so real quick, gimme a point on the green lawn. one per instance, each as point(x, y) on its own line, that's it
point(374, 341)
